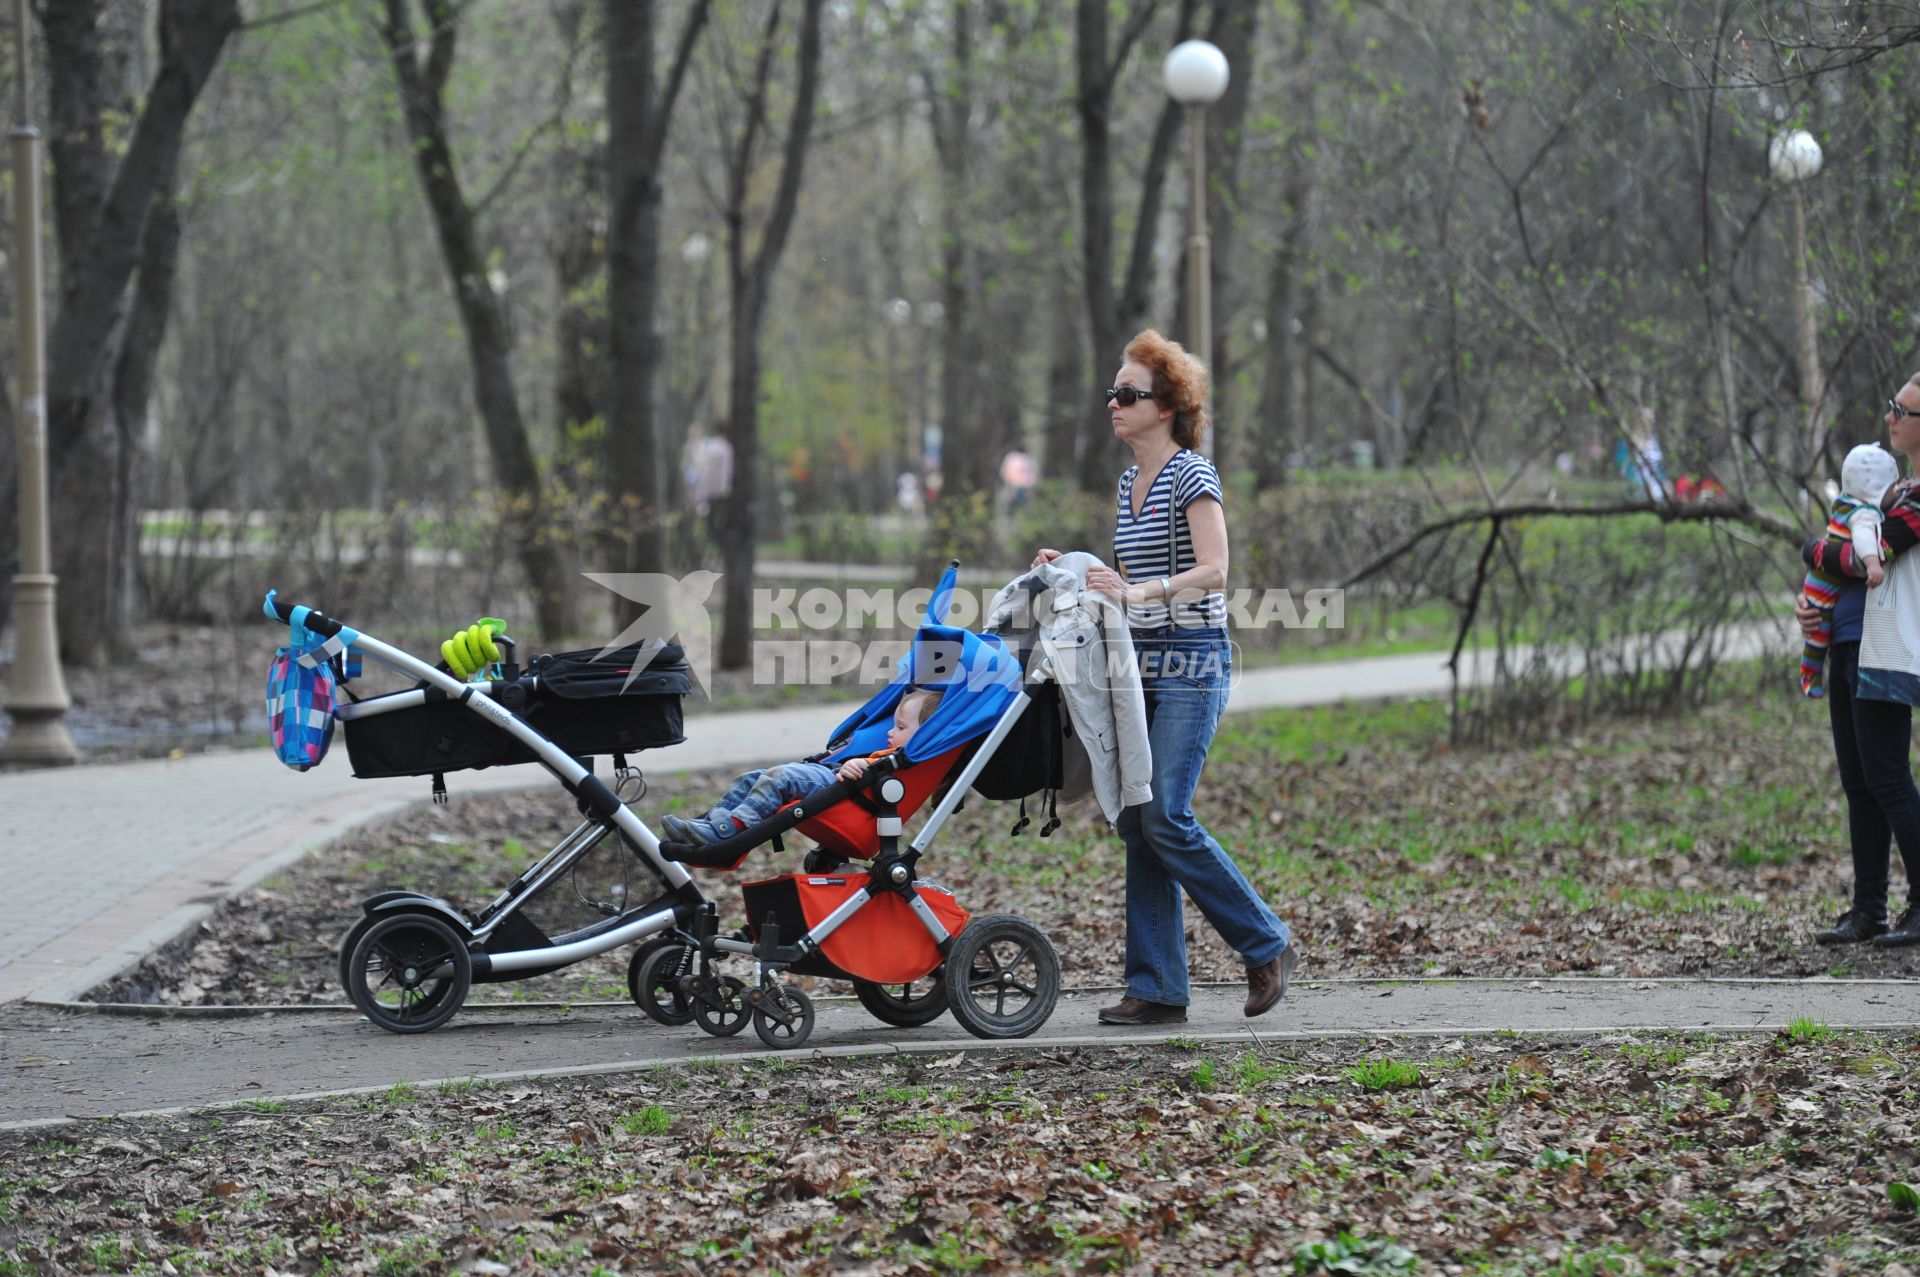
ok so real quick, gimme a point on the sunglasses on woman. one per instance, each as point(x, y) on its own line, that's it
point(1899, 412)
point(1126, 396)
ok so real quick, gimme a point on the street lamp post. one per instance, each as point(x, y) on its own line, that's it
point(36, 693)
point(1794, 157)
point(1196, 75)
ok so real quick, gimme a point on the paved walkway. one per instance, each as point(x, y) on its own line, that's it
point(105, 863)
point(102, 864)
point(57, 1066)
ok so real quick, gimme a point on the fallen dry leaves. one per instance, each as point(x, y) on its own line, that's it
point(1616, 1155)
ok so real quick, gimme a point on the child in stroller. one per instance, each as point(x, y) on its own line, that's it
point(755, 796)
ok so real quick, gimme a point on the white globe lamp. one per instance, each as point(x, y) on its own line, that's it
point(1794, 156)
point(1195, 73)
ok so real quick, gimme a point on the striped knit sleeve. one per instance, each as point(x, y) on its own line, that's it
point(1197, 478)
point(1900, 532)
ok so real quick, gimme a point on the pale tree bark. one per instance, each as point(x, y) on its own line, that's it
point(1233, 28)
point(1114, 315)
point(1281, 400)
point(423, 83)
point(9, 500)
point(749, 277)
point(118, 238)
point(638, 118)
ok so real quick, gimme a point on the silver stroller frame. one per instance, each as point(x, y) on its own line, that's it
point(410, 960)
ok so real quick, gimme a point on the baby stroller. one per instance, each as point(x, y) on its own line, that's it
point(882, 926)
point(410, 960)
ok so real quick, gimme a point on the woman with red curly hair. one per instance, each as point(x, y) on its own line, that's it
point(1170, 542)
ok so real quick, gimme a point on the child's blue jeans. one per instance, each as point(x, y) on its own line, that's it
point(755, 796)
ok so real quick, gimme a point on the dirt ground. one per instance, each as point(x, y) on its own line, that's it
point(1649, 1154)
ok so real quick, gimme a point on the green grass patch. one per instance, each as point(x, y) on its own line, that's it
point(1383, 1074)
point(1804, 1030)
point(651, 1120)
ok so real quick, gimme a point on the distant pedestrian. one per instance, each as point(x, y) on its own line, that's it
point(1018, 474)
point(1639, 460)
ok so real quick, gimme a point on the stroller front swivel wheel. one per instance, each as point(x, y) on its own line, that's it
point(1002, 977)
point(654, 978)
point(409, 973)
point(795, 1005)
point(720, 1006)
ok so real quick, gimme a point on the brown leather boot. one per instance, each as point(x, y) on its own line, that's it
point(1268, 984)
point(1132, 1010)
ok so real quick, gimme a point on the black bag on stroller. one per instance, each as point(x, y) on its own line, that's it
point(1033, 755)
point(584, 705)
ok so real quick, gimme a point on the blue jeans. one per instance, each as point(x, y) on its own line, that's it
point(755, 796)
point(1184, 673)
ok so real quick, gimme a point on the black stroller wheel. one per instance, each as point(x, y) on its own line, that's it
point(1002, 977)
point(409, 973)
point(731, 1016)
point(785, 1037)
point(905, 1006)
point(652, 978)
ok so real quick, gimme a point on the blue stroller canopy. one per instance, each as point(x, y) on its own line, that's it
point(977, 674)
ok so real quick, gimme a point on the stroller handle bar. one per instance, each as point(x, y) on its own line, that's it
point(320, 623)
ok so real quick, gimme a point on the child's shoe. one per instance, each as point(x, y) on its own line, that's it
point(679, 829)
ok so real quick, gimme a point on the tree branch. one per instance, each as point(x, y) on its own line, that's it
point(656, 140)
point(1701, 512)
point(291, 15)
point(540, 130)
point(1472, 609)
point(1130, 33)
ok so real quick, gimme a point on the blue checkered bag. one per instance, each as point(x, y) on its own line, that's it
point(301, 686)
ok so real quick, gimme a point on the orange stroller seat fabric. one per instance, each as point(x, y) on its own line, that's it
point(849, 829)
point(884, 941)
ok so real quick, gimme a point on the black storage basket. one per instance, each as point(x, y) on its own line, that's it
point(582, 704)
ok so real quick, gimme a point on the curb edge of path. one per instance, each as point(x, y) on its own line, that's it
point(1248, 1034)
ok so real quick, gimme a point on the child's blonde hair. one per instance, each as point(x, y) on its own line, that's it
point(928, 700)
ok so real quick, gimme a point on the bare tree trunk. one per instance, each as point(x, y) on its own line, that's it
point(637, 124)
point(1113, 317)
point(580, 327)
point(1070, 400)
point(967, 457)
point(489, 336)
point(9, 501)
point(1232, 28)
point(102, 344)
point(749, 279)
point(1281, 423)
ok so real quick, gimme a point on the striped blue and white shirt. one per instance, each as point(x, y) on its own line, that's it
point(1140, 545)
